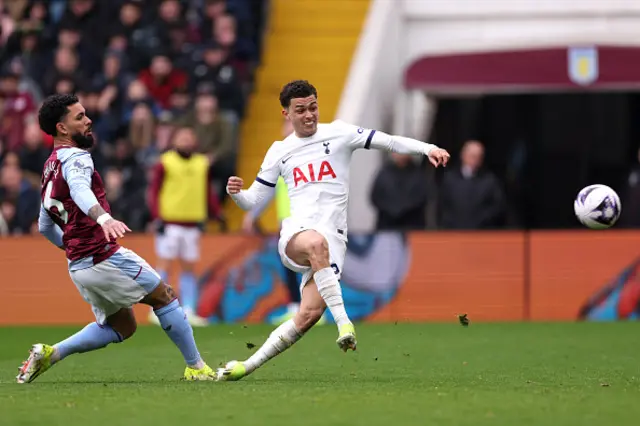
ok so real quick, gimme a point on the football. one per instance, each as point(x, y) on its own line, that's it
point(597, 207)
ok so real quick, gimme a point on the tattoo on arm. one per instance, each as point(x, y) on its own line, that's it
point(96, 211)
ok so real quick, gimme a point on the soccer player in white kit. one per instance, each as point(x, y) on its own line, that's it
point(314, 162)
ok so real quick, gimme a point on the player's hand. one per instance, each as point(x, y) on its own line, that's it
point(234, 185)
point(114, 228)
point(439, 156)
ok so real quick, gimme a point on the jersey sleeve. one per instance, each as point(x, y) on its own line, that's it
point(358, 137)
point(49, 229)
point(77, 171)
point(270, 169)
point(361, 138)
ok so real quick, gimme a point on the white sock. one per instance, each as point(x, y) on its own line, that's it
point(279, 340)
point(329, 289)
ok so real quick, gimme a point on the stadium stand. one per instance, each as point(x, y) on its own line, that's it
point(140, 67)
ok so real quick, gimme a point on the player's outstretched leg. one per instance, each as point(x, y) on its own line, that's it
point(311, 309)
point(311, 248)
point(174, 322)
point(117, 328)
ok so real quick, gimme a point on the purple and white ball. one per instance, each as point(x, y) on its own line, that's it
point(597, 207)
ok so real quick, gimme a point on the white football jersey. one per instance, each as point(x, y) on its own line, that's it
point(316, 171)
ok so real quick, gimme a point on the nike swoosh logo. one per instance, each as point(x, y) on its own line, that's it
point(284, 160)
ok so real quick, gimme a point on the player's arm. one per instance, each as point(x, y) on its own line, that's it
point(49, 229)
point(261, 190)
point(257, 210)
point(375, 139)
point(77, 171)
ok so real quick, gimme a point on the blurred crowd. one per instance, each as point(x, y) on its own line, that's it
point(141, 68)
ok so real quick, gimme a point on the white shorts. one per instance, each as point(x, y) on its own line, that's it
point(179, 242)
point(337, 250)
point(119, 282)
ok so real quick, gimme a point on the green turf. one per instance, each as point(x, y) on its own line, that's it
point(486, 374)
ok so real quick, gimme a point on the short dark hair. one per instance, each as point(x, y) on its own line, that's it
point(53, 111)
point(296, 89)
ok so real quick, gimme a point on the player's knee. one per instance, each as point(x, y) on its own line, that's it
point(160, 297)
point(307, 317)
point(129, 330)
point(317, 247)
point(125, 327)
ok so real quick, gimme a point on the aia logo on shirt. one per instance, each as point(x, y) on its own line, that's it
point(313, 173)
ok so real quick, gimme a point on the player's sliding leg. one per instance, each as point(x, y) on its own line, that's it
point(312, 249)
point(117, 328)
point(311, 309)
point(174, 322)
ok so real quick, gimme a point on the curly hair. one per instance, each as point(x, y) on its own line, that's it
point(53, 111)
point(296, 89)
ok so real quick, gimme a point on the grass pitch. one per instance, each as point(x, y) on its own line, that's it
point(405, 374)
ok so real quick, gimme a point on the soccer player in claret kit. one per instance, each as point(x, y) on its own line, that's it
point(314, 162)
point(75, 217)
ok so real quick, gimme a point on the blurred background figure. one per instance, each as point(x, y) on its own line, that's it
point(400, 193)
point(182, 200)
point(19, 200)
point(630, 216)
point(470, 196)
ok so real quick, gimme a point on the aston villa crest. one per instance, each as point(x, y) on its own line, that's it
point(583, 65)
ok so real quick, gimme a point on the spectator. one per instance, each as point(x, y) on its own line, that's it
point(214, 68)
point(161, 79)
point(27, 59)
point(132, 186)
point(88, 57)
point(129, 20)
point(212, 10)
point(26, 83)
point(471, 196)
point(89, 16)
point(65, 67)
point(215, 135)
point(33, 154)
point(142, 133)
point(214, 132)
point(164, 130)
point(630, 216)
point(137, 93)
point(238, 51)
point(65, 85)
point(18, 109)
point(180, 102)
point(399, 194)
point(20, 201)
point(56, 45)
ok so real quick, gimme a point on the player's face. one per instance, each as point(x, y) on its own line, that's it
point(77, 126)
point(303, 114)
